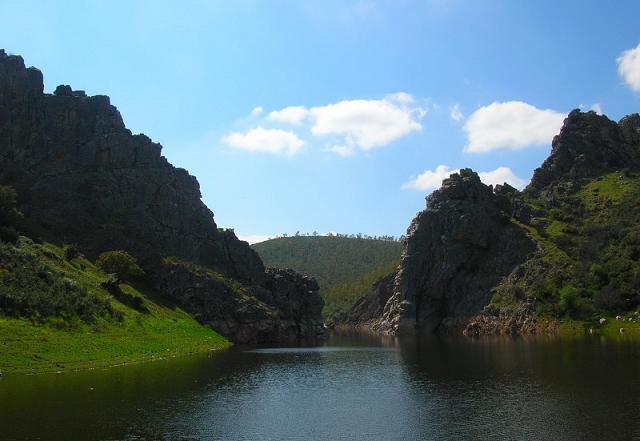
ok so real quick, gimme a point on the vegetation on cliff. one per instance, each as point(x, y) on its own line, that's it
point(58, 314)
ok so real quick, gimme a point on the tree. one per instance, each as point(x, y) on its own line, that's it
point(120, 263)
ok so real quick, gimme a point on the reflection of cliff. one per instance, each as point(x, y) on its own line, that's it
point(517, 389)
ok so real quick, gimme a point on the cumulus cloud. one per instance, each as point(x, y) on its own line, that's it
point(290, 115)
point(510, 125)
point(347, 126)
point(432, 179)
point(256, 111)
point(265, 140)
point(455, 113)
point(629, 67)
point(500, 176)
point(366, 123)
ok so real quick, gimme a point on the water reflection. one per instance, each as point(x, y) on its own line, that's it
point(357, 387)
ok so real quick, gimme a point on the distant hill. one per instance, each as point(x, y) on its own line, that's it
point(333, 261)
point(340, 299)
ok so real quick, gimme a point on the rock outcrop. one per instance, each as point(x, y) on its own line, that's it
point(478, 259)
point(287, 308)
point(456, 251)
point(588, 145)
point(84, 178)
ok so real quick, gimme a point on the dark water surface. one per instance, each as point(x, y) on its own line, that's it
point(353, 388)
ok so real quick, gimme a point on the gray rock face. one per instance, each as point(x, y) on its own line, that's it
point(84, 178)
point(456, 251)
point(287, 308)
point(587, 146)
point(465, 244)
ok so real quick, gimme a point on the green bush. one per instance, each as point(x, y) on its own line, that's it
point(120, 263)
point(71, 252)
point(31, 287)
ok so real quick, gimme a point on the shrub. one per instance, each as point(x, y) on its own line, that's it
point(71, 252)
point(120, 263)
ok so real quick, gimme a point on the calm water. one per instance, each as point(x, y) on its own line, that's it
point(353, 388)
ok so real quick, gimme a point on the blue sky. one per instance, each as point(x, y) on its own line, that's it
point(338, 115)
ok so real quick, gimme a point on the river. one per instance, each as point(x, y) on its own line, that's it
point(354, 387)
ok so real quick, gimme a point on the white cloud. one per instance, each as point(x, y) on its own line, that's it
point(511, 125)
point(455, 112)
point(432, 179)
point(366, 123)
point(629, 67)
point(348, 125)
point(265, 140)
point(290, 115)
point(254, 238)
point(597, 108)
point(256, 111)
point(500, 176)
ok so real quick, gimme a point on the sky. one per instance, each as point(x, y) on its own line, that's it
point(338, 116)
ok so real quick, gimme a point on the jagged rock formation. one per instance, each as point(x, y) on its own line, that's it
point(285, 309)
point(456, 251)
point(480, 260)
point(84, 178)
point(588, 145)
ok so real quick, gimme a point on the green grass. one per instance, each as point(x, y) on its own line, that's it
point(54, 343)
point(611, 330)
point(613, 187)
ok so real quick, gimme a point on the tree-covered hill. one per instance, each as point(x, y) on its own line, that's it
point(331, 260)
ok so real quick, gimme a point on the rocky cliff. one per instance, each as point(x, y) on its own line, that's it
point(83, 178)
point(490, 260)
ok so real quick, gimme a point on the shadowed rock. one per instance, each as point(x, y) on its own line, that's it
point(84, 178)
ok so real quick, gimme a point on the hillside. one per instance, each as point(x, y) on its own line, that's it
point(343, 266)
point(57, 314)
point(495, 260)
point(72, 173)
point(331, 260)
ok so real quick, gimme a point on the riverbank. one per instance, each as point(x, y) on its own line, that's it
point(27, 348)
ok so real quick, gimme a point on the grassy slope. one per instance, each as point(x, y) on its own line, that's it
point(344, 267)
point(158, 330)
point(331, 260)
point(590, 267)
